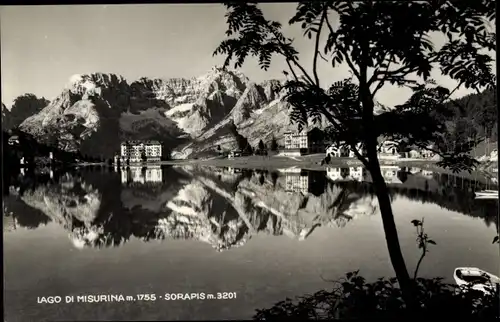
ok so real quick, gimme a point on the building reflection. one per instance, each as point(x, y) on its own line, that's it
point(305, 182)
point(142, 175)
point(391, 173)
point(346, 173)
point(230, 170)
point(296, 182)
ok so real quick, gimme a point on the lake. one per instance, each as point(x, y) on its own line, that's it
point(260, 236)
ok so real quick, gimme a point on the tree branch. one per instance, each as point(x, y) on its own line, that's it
point(288, 56)
point(381, 82)
point(342, 50)
point(322, 57)
point(291, 69)
point(359, 156)
point(451, 93)
point(392, 74)
point(349, 62)
point(316, 46)
point(424, 251)
point(329, 25)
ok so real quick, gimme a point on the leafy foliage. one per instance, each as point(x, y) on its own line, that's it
point(25, 106)
point(353, 298)
point(390, 38)
point(475, 114)
point(258, 36)
point(423, 241)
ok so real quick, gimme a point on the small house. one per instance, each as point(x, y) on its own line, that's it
point(13, 140)
point(235, 154)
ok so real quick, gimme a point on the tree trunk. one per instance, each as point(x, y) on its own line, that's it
point(391, 232)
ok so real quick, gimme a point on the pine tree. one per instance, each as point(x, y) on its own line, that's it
point(274, 144)
point(262, 147)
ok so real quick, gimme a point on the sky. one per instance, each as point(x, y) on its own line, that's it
point(43, 46)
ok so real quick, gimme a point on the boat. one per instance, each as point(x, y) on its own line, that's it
point(476, 278)
point(489, 194)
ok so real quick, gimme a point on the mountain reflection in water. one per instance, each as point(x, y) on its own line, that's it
point(224, 207)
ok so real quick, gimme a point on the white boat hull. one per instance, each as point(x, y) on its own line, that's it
point(486, 197)
point(476, 278)
point(487, 194)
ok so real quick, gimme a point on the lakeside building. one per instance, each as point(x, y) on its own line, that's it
point(337, 150)
point(13, 140)
point(412, 154)
point(305, 142)
point(237, 153)
point(386, 150)
point(138, 151)
point(426, 154)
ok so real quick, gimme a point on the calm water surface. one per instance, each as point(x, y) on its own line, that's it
point(265, 236)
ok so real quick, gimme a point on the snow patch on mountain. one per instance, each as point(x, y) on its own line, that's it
point(186, 107)
point(133, 123)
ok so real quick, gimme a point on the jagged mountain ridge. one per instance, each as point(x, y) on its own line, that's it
point(95, 112)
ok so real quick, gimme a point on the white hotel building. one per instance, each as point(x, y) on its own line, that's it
point(134, 150)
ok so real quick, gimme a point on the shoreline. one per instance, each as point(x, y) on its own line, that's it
point(271, 162)
point(308, 162)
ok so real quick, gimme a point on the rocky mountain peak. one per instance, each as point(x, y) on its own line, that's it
point(98, 79)
point(96, 84)
point(271, 88)
point(232, 83)
point(252, 99)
